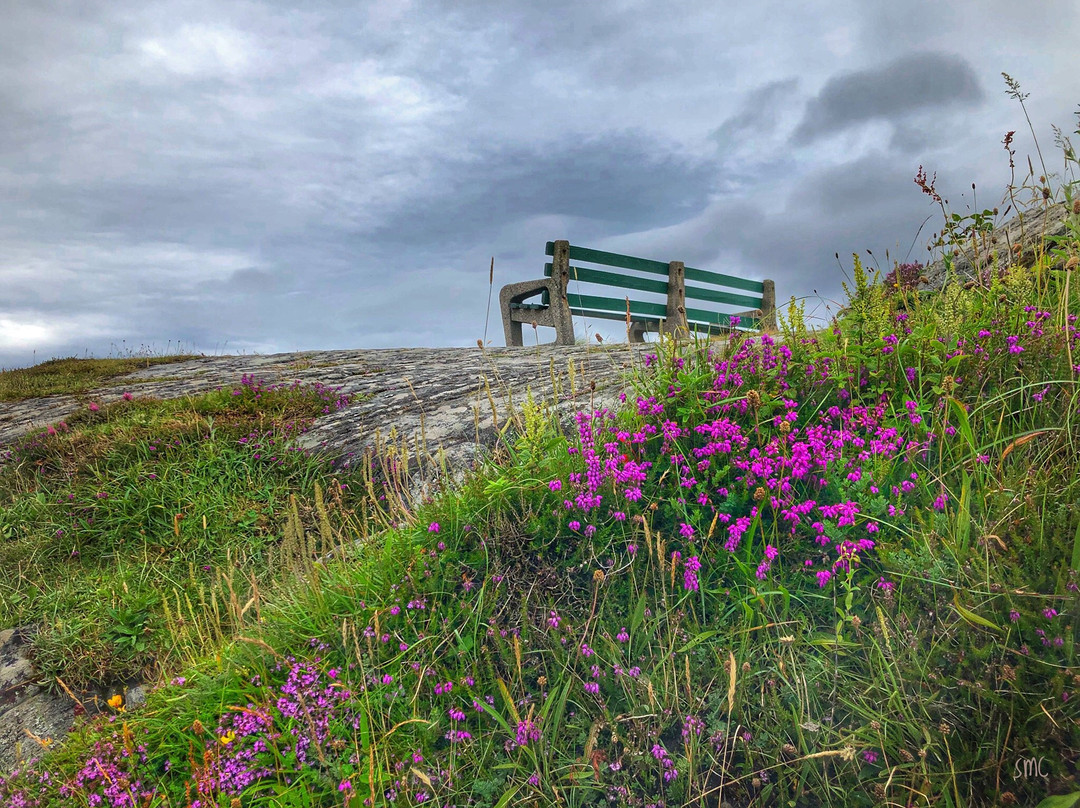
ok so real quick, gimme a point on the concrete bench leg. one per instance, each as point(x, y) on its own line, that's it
point(637, 332)
point(513, 333)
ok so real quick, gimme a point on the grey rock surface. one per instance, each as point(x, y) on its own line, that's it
point(1013, 242)
point(428, 399)
point(29, 716)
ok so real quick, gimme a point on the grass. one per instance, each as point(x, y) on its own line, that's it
point(837, 568)
point(72, 376)
point(124, 509)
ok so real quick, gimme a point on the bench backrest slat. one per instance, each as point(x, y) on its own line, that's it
point(720, 279)
point(612, 259)
point(602, 278)
point(694, 316)
point(615, 307)
point(713, 296)
point(611, 308)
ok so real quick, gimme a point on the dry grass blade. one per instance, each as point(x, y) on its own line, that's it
point(1016, 444)
point(731, 682)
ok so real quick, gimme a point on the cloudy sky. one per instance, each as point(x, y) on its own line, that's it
point(256, 177)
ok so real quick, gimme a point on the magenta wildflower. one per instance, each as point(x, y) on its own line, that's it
point(690, 571)
point(526, 732)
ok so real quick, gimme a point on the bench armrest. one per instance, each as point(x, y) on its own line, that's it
point(520, 292)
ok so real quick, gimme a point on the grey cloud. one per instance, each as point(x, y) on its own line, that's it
point(624, 180)
point(758, 114)
point(890, 92)
point(254, 177)
point(851, 189)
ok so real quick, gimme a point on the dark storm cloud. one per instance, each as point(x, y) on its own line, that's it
point(911, 83)
point(624, 180)
point(758, 114)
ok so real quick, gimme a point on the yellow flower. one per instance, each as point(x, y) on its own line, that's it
point(227, 738)
point(116, 701)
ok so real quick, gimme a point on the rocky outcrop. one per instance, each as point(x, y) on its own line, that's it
point(30, 717)
point(431, 400)
point(34, 713)
point(1015, 242)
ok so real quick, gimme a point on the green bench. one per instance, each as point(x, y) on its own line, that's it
point(558, 305)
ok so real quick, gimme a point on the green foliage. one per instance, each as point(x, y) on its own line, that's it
point(867, 303)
